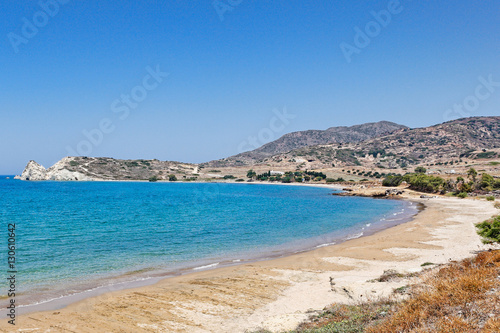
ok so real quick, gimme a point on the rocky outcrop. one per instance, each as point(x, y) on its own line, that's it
point(35, 171)
point(104, 168)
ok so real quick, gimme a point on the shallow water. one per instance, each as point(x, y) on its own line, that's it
point(76, 236)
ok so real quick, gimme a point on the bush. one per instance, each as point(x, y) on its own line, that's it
point(425, 183)
point(487, 182)
point(490, 198)
point(153, 179)
point(73, 163)
point(251, 174)
point(239, 180)
point(172, 178)
point(490, 230)
point(229, 177)
point(330, 180)
point(392, 181)
point(420, 170)
point(463, 195)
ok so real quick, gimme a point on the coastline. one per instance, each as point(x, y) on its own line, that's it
point(277, 293)
point(63, 297)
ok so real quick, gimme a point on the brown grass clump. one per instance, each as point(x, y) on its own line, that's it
point(461, 297)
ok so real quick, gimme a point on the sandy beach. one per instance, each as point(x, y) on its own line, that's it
point(280, 293)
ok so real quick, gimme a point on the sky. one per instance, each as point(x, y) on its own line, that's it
point(194, 81)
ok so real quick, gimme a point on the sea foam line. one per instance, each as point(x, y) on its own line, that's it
point(206, 266)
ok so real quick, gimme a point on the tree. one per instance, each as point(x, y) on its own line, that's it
point(251, 174)
point(472, 173)
point(487, 182)
point(172, 178)
point(420, 169)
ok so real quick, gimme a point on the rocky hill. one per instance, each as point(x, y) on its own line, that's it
point(470, 138)
point(103, 168)
point(448, 145)
point(300, 139)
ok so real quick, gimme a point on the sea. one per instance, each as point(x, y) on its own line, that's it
point(75, 239)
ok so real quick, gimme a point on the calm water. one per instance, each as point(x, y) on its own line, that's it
point(73, 236)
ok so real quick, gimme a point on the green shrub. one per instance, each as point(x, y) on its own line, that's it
point(229, 177)
point(463, 195)
point(425, 183)
point(490, 230)
point(153, 179)
point(73, 163)
point(486, 182)
point(330, 180)
point(172, 178)
point(490, 198)
point(420, 169)
point(251, 174)
point(392, 181)
point(239, 180)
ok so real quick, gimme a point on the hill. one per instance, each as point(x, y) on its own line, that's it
point(301, 139)
point(471, 138)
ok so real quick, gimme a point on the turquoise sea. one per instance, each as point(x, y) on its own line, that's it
point(77, 236)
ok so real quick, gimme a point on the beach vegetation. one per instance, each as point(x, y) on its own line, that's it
point(489, 230)
point(424, 183)
point(153, 179)
point(456, 297)
point(251, 174)
point(239, 180)
point(490, 198)
point(472, 173)
point(392, 181)
point(486, 182)
point(229, 177)
point(172, 178)
point(462, 195)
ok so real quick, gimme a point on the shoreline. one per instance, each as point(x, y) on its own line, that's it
point(138, 279)
point(277, 283)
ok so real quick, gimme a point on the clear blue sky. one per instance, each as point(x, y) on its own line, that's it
point(227, 76)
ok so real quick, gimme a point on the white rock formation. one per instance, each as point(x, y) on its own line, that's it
point(58, 171)
point(33, 171)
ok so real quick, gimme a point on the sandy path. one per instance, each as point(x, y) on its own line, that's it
point(276, 294)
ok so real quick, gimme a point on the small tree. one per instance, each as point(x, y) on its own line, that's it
point(420, 169)
point(251, 174)
point(172, 178)
point(472, 173)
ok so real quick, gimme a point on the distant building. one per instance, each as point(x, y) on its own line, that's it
point(276, 173)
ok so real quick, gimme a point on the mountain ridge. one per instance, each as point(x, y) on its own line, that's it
point(299, 139)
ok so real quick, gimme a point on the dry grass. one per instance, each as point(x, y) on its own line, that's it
point(458, 297)
point(461, 297)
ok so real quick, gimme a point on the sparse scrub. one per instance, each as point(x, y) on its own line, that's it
point(459, 297)
point(489, 230)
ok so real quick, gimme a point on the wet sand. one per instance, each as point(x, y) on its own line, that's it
point(277, 294)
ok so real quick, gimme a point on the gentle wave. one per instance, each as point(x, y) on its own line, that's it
point(206, 266)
